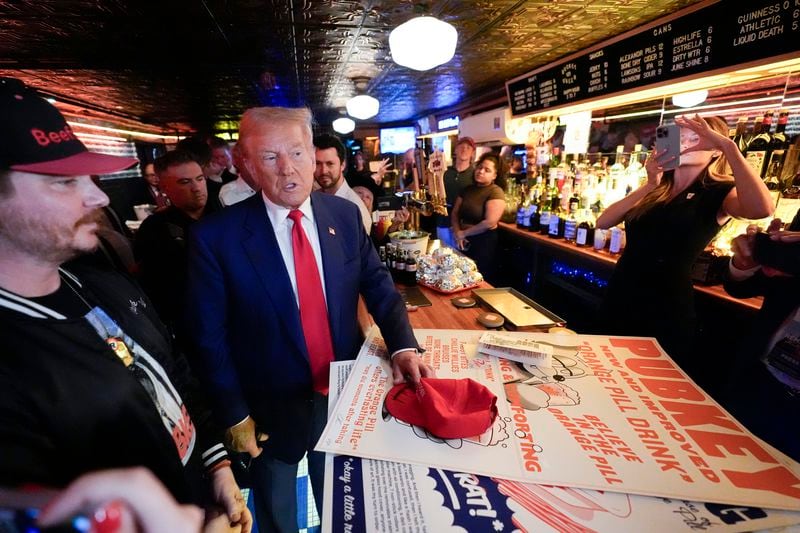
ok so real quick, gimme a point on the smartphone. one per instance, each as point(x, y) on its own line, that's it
point(668, 141)
point(783, 256)
point(20, 508)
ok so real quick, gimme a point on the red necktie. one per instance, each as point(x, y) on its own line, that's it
point(313, 312)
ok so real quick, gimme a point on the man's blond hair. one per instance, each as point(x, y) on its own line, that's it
point(258, 117)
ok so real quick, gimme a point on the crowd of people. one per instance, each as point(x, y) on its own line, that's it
point(250, 287)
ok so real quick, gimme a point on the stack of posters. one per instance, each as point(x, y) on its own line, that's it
point(613, 436)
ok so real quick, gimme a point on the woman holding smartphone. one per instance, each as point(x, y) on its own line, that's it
point(669, 221)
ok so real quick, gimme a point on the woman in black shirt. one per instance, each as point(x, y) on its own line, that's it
point(669, 221)
point(477, 210)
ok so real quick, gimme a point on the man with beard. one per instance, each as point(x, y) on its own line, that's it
point(329, 174)
point(160, 245)
point(88, 374)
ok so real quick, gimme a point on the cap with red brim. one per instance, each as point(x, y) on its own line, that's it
point(80, 164)
point(447, 408)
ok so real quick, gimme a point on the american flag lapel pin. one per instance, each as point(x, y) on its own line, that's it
point(331, 230)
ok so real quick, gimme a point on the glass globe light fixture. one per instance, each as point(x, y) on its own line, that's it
point(362, 106)
point(690, 99)
point(343, 125)
point(423, 43)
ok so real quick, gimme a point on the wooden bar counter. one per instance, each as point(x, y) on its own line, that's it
point(606, 261)
point(444, 315)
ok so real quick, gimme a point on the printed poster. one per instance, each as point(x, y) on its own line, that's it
point(613, 414)
point(369, 495)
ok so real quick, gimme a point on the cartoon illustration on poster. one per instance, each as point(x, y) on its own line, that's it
point(611, 414)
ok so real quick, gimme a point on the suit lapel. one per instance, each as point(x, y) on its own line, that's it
point(332, 260)
point(262, 250)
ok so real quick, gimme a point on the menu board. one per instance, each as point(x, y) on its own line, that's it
point(720, 35)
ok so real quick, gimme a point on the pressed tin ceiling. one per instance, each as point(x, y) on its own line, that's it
point(181, 64)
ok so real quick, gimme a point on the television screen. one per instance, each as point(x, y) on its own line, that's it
point(398, 140)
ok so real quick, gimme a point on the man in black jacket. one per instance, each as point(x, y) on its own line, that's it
point(88, 374)
point(755, 397)
point(160, 244)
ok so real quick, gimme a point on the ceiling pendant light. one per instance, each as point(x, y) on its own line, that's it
point(423, 43)
point(343, 125)
point(362, 106)
point(690, 99)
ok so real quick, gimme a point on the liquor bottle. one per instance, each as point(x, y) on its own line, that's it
point(758, 145)
point(411, 268)
point(382, 254)
point(400, 265)
point(574, 202)
point(778, 144)
point(636, 174)
point(616, 175)
point(772, 179)
point(740, 135)
point(555, 228)
point(585, 234)
point(521, 211)
point(566, 194)
point(570, 227)
point(545, 207)
point(533, 219)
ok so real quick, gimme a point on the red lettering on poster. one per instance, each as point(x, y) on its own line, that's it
point(660, 368)
point(674, 390)
point(640, 347)
point(713, 442)
point(690, 414)
point(777, 479)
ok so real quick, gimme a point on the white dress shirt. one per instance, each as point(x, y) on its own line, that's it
point(282, 225)
point(349, 194)
point(234, 192)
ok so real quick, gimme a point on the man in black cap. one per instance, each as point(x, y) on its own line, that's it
point(88, 374)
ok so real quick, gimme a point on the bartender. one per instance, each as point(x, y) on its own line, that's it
point(456, 177)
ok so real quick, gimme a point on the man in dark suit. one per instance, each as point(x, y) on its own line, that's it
point(273, 290)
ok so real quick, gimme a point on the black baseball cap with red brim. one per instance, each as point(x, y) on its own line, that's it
point(35, 137)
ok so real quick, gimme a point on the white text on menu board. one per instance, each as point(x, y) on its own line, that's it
point(526, 98)
point(691, 49)
point(763, 23)
point(569, 75)
point(548, 92)
point(598, 73)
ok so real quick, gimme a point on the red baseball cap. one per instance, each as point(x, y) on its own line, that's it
point(447, 408)
point(468, 140)
point(35, 137)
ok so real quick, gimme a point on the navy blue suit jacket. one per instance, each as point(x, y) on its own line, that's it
point(244, 324)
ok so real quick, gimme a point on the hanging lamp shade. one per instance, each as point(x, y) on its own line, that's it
point(690, 99)
point(362, 106)
point(423, 43)
point(343, 125)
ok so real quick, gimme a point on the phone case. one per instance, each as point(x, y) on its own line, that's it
point(668, 138)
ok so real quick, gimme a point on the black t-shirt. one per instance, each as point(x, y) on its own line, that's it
point(66, 301)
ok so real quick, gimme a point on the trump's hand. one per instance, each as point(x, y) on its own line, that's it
point(408, 366)
point(242, 437)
